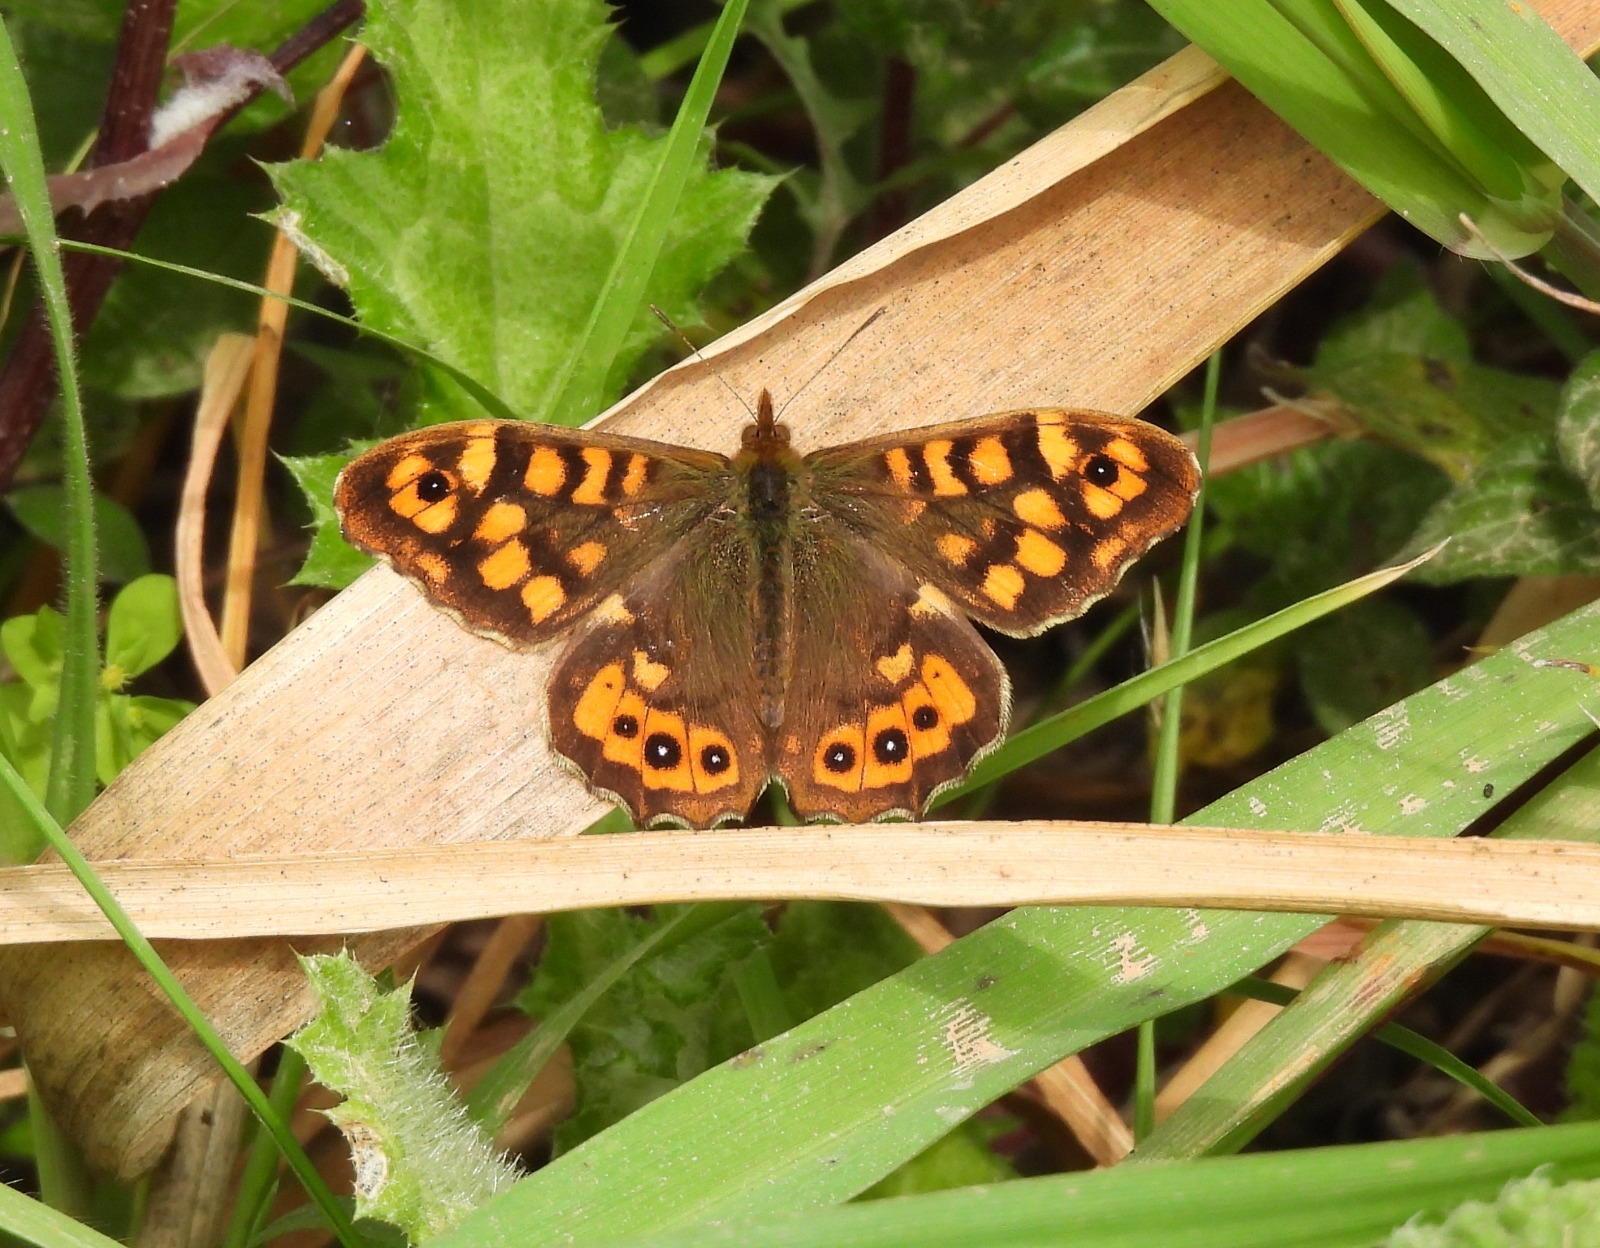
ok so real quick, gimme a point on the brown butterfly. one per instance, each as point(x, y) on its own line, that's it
point(771, 616)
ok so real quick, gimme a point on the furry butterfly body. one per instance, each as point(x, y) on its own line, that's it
point(771, 616)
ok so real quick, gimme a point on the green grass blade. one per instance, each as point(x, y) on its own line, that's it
point(816, 1115)
point(1541, 87)
point(578, 387)
point(72, 776)
point(1352, 996)
point(31, 1221)
point(175, 992)
point(1034, 742)
point(1358, 1194)
point(1417, 1046)
point(1305, 63)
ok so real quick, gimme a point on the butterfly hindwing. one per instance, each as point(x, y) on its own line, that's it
point(651, 700)
point(892, 694)
point(519, 529)
point(1024, 519)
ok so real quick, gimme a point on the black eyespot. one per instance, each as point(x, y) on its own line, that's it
point(625, 726)
point(433, 486)
point(890, 746)
point(714, 760)
point(924, 718)
point(1102, 470)
point(839, 758)
point(662, 752)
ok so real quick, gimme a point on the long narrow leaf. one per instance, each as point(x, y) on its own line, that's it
point(72, 775)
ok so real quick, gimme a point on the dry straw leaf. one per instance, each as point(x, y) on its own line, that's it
point(1094, 270)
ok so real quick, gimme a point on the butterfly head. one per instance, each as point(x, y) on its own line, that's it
point(766, 434)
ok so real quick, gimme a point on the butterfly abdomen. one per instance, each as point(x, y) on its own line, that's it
point(768, 514)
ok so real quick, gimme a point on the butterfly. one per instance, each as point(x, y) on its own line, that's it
point(771, 616)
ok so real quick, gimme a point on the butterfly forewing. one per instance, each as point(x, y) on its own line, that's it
point(1025, 518)
point(520, 529)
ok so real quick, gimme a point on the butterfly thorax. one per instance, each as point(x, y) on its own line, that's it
point(767, 470)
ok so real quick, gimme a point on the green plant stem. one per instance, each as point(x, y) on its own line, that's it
point(579, 384)
point(1169, 760)
point(70, 786)
point(1574, 249)
point(258, 1180)
point(157, 969)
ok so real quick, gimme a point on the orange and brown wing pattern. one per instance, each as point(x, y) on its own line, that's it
point(1024, 518)
point(652, 702)
point(893, 694)
point(519, 529)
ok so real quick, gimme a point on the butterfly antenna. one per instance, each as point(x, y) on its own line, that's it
point(837, 352)
point(695, 351)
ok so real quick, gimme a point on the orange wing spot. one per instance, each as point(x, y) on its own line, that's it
point(928, 728)
point(477, 461)
point(1108, 552)
point(547, 472)
point(435, 517)
point(951, 696)
point(587, 557)
point(597, 704)
point(591, 491)
point(1037, 508)
point(543, 596)
point(840, 757)
point(1003, 585)
point(1059, 451)
point(895, 667)
point(1127, 454)
point(407, 469)
point(624, 731)
point(501, 521)
point(990, 463)
point(898, 462)
point(1129, 486)
point(713, 762)
point(637, 474)
point(1102, 504)
point(936, 455)
point(956, 548)
point(911, 510)
point(666, 753)
point(433, 566)
point(1036, 553)
point(506, 566)
point(647, 673)
point(888, 758)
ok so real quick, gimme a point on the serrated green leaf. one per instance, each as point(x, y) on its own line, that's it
point(1583, 1067)
point(1521, 514)
point(825, 951)
point(1578, 425)
point(1455, 415)
point(42, 510)
point(1374, 654)
point(664, 1021)
point(1401, 317)
point(486, 225)
point(420, 1162)
point(331, 562)
point(143, 626)
point(1532, 1212)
